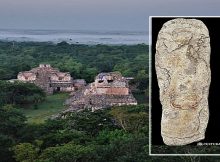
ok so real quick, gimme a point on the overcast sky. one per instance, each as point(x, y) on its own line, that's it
point(96, 14)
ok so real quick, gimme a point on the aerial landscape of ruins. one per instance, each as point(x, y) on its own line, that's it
point(73, 102)
point(108, 89)
point(73, 81)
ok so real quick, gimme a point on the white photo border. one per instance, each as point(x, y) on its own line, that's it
point(150, 83)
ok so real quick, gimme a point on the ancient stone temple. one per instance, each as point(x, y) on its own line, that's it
point(182, 64)
point(108, 89)
point(50, 79)
point(111, 84)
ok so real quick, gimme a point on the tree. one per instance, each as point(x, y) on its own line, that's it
point(90, 122)
point(142, 80)
point(6, 142)
point(64, 136)
point(68, 153)
point(19, 93)
point(11, 122)
point(118, 145)
point(25, 152)
point(130, 118)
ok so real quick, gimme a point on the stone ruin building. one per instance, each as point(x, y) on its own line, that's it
point(51, 79)
point(108, 89)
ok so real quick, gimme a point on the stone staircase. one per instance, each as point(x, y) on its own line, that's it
point(43, 81)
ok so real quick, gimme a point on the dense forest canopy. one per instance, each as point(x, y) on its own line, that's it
point(81, 137)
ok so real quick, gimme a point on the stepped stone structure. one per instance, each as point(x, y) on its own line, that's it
point(51, 79)
point(182, 63)
point(108, 89)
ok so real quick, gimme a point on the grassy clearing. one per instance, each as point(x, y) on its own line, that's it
point(52, 105)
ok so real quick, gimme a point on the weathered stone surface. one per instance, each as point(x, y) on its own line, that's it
point(108, 89)
point(182, 63)
point(51, 79)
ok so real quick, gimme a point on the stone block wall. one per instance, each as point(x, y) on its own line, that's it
point(113, 91)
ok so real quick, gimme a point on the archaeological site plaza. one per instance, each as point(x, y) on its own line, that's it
point(108, 89)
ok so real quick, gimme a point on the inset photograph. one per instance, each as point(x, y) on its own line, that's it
point(184, 85)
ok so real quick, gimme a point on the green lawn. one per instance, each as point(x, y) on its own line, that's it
point(52, 105)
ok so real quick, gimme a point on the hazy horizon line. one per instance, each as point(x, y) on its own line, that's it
point(67, 29)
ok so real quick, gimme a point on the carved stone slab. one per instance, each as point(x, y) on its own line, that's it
point(182, 63)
